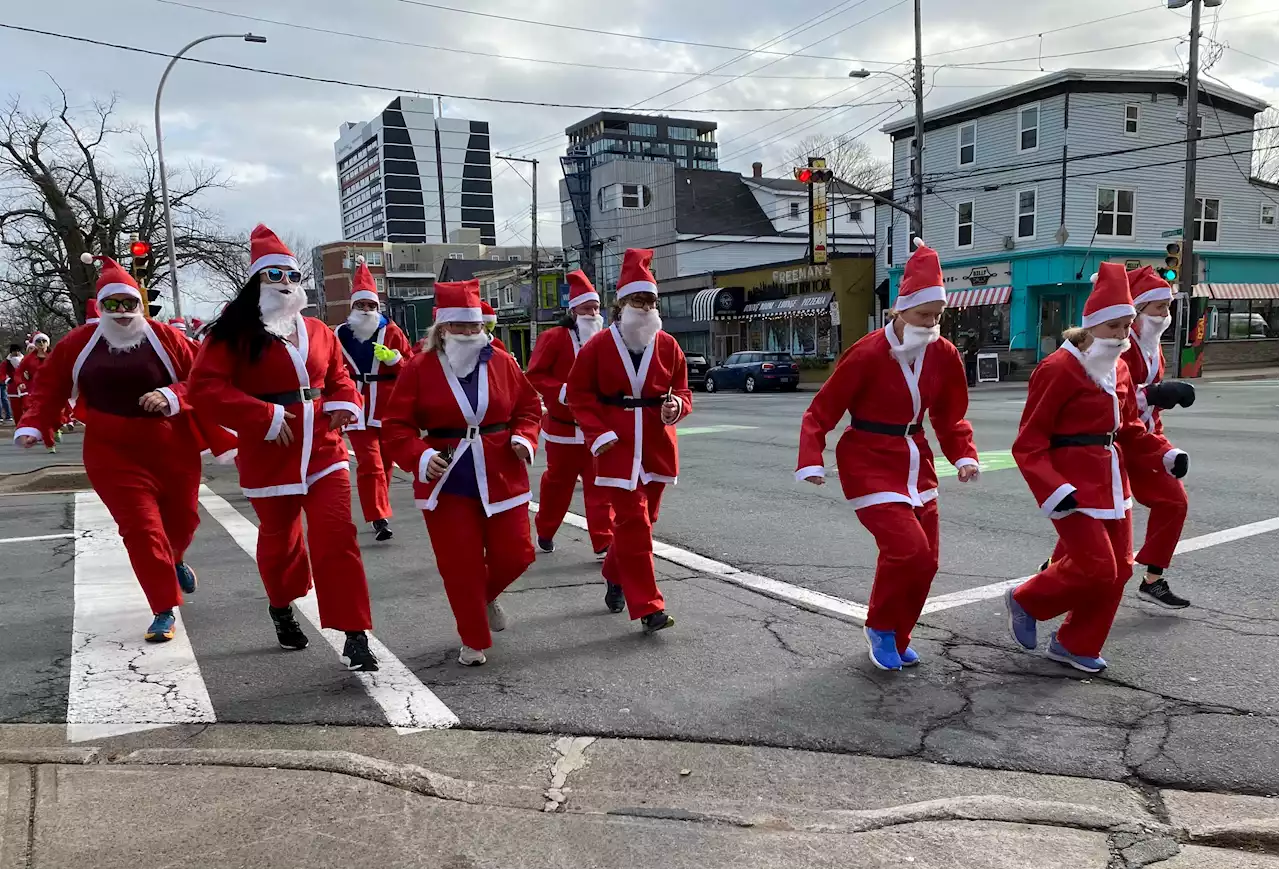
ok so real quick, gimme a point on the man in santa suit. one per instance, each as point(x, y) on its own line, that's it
point(568, 457)
point(627, 390)
point(26, 375)
point(142, 451)
point(886, 382)
point(375, 350)
point(470, 469)
point(278, 379)
point(1080, 429)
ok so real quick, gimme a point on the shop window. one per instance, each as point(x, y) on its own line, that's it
point(1242, 319)
point(986, 326)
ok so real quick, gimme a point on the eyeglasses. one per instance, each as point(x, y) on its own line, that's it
point(642, 303)
point(276, 276)
point(113, 306)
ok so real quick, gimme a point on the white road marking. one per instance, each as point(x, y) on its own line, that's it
point(712, 429)
point(119, 682)
point(409, 705)
point(36, 538)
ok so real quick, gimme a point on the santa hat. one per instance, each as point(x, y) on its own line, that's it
point(91, 311)
point(1147, 286)
point(1110, 298)
point(487, 314)
point(39, 336)
point(267, 250)
point(113, 280)
point(363, 287)
point(196, 323)
point(179, 324)
point(580, 289)
point(921, 279)
point(635, 276)
point(458, 302)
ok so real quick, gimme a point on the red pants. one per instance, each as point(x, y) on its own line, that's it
point(908, 541)
point(630, 559)
point(342, 591)
point(565, 464)
point(373, 473)
point(147, 473)
point(1167, 499)
point(478, 556)
point(46, 435)
point(1087, 582)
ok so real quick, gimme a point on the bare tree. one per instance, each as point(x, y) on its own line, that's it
point(1266, 145)
point(850, 159)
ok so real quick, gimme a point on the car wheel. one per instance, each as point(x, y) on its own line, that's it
point(750, 384)
point(792, 387)
point(710, 385)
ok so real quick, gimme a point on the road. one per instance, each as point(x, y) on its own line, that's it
point(1189, 700)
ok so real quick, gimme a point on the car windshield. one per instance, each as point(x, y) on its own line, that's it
point(776, 357)
point(696, 359)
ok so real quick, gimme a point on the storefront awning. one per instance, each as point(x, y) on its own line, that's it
point(1236, 291)
point(704, 305)
point(791, 306)
point(979, 296)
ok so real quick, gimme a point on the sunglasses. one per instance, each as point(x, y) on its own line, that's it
point(114, 306)
point(276, 276)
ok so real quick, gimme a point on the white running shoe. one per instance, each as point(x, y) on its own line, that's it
point(469, 657)
point(497, 617)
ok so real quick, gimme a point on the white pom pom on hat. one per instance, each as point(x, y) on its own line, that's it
point(360, 259)
point(1093, 278)
point(86, 258)
point(918, 241)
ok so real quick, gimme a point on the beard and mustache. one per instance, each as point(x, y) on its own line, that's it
point(123, 332)
point(364, 323)
point(916, 338)
point(639, 327)
point(588, 326)
point(1100, 359)
point(1150, 330)
point(280, 304)
point(463, 351)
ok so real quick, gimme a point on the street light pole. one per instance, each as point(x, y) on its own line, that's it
point(164, 177)
point(1189, 270)
point(917, 228)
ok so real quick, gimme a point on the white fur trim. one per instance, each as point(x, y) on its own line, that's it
point(810, 472)
point(524, 442)
point(646, 477)
point(489, 319)
point(26, 431)
point(171, 398)
point(1170, 457)
point(276, 491)
point(266, 261)
point(636, 287)
point(967, 462)
point(458, 315)
point(228, 457)
point(324, 472)
point(920, 297)
point(277, 421)
point(564, 390)
point(1050, 504)
point(37, 336)
point(1111, 312)
point(423, 461)
point(606, 438)
point(1155, 294)
point(583, 298)
point(331, 406)
point(561, 439)
point(364, 296)
point(110, 290)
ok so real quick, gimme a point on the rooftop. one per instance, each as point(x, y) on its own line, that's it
point(640, 119)
point(718, 203)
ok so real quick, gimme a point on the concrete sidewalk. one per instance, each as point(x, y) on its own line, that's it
point(280, 797)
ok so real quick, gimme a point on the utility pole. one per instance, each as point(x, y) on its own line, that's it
point(1189, 270)
point(917, 219)
point(533, 235)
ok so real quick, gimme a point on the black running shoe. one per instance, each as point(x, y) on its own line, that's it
point(655, 622)
point(356, 653)
point(288, 632)
point(1045, 565)
point(382, 529)
point(614, 599)
point(1160, 594)
point(546, 544)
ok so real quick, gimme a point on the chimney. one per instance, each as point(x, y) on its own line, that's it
point(757, 170)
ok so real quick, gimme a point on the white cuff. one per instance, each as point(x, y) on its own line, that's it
point(1140, 394)
point(564, 388)
point(810, 472)
point(26, 431)
point(524, 442)
point(277, 421)
point(606, 438)
point(1050, 504)
point(171, 398)
point(967, 462)
point(1170, 457)
point(331, 406)
point(395, 361)
point(423, 461)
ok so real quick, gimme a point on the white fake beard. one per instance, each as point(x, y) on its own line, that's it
point(1152, 329)
point(916, 338)
point(123, 332)
point(280, 305)
point(589, 326)
point(639, 327)
point(463, 351)
point(1100, 359)
point(363, 323)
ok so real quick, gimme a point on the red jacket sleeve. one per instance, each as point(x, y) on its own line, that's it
point(211, 392)
point(824, 413)
point(542, 367)
point(680, 384)
point(1136, 443)
point(526, 413)
point(401, 422)
point(339, 392)
point(48, 391)
point(1031, 446)
point(946, 415)
point(583, 392)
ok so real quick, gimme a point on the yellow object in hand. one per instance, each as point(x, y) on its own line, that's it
point(383, 353)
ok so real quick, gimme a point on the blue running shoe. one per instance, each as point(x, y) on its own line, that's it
point(909, 657)
point(1057, 652)
point(186, 578)
point(161, 630)
point(1022, 627)
point(883, 647)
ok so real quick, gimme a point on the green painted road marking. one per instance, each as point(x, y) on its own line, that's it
point(712, 429)
point(996, 460)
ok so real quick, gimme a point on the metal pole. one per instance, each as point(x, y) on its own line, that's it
point(1188, 273)
point(164, 176)
point(917, 219)
point(534, 234)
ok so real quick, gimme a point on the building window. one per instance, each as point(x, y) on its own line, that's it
point(687, 133)
point(615, 196)
point(1207, 219)
point(680, 150)
point(642, 129)
point(1242, 319)
point(1131, 112)
point(513, 258)
point(566, 212)
point(381, 284)
point(1267, 219)
point(855, 212)
point(964, 224)
point(1026, 214)
point(795, 210)
point(455, 255)
point(983, 325)
point(373, 258)
point(1115, 212)
point(1029, 127)
point(968, 134)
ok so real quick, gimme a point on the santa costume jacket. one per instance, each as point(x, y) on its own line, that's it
point(877, 388)
point(375, 379)
point(553, 358)
point(225, 387)
point(615, 400)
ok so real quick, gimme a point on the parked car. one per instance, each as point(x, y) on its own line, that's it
point(754, 371)
point(697, 366)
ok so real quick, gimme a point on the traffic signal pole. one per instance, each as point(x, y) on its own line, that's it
point(1189, 272)
point(917, 179)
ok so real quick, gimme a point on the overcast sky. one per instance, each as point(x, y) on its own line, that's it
point(274, 137)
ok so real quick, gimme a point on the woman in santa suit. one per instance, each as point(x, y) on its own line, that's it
point(470, 469)
point(627, 390)
point(567, 455)
point(1080, 429)
point(26, 375)
point(278, 379)
point(886, 382)
point(142, 441)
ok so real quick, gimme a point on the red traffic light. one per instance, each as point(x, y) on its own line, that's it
point(140, 248)
point(804, 176)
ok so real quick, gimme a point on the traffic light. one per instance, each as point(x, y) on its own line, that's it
point(809, 175)
point(140, 265)
point(1172, 262)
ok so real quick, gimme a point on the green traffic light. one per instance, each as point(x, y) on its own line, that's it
point(1169, 274)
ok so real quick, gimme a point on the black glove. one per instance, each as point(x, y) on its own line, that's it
point(1171, 393)
point(1180, 463)
point(1067, 503)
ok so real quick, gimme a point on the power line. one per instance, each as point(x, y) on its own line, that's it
point(1247, 54)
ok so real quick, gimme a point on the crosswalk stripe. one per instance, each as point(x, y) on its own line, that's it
point(409, 705)
point(119, 682)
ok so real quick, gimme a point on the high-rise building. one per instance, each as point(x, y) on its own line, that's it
point(412, 177)
point(605, 136)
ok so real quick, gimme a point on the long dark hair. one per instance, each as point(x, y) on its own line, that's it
point(568, 321)
point(240, 323)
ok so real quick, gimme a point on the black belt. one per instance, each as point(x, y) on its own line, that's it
point(294, 397)
point(562, 421)
point(1081, 440)
point(374, 378)
point(630, 403)
point(886, 428)
point(468, 433)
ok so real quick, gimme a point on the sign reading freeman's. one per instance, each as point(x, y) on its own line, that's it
point(802, 274)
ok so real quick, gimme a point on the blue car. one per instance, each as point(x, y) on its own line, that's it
point(754, 371)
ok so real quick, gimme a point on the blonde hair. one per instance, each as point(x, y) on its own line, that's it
point(1078, 336)
point(433, 340)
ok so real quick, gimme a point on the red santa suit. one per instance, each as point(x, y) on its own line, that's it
point(12, 384)
point(1070, 442)
point(308, 380)
point(25, 376)
point(144, 466)
point(568, 457)
point(376, 380)
point(884, 460)
point(475, 511)
point(617, 400)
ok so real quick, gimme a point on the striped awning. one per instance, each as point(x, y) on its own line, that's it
point(1237, 291)
point(703, 305)
point(979, 296)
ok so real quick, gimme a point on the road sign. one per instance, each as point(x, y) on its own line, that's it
point(1171, 233)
